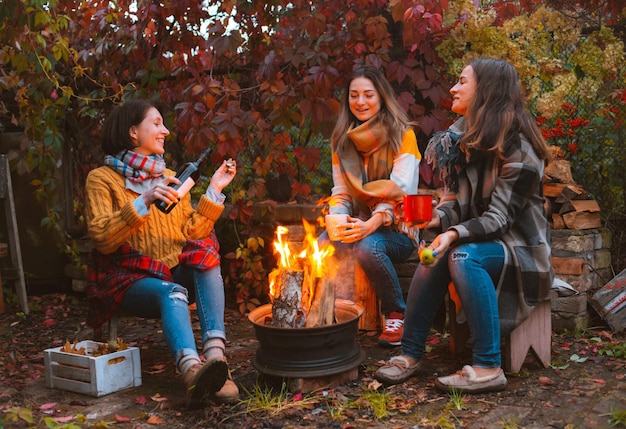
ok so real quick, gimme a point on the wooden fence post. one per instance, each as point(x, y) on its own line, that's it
point(6, 193)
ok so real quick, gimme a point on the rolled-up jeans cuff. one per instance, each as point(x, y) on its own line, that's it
point(185, 352)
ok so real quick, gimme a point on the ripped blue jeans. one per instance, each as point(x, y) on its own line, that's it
point(153, 298)
point(475, 269)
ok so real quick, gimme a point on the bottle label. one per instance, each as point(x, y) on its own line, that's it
point(185, 187)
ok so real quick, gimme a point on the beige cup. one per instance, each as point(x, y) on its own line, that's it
point(333, 222)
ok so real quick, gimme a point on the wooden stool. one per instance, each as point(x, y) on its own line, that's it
point(364, 295)
point(351, 283)
point(112, 322)
point(533, 334)
point(112, 327)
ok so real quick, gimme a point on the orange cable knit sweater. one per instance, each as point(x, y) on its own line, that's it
point(112, 219)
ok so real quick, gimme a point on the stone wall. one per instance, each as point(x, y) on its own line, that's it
point(582, 259)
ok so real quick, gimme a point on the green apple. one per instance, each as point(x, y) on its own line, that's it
point(427, 256)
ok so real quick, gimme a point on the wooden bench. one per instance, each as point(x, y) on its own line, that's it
point(534, 334)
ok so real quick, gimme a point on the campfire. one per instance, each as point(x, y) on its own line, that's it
point(305, 333)
point(299, 293)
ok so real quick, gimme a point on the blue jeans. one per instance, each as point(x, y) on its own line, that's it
point(157, 299)
point(475, 269)
point(376, 254)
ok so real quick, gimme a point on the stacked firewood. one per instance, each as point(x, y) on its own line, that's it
point(568, 205)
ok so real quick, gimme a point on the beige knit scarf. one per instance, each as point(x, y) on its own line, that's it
point(369, 185)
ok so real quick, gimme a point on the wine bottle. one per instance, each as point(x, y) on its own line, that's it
point(188, 176)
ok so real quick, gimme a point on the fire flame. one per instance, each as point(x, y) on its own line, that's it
point(311, 256)
point(313, 252)
point(283, 248)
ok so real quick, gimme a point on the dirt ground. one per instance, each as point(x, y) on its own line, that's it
point(584, 387)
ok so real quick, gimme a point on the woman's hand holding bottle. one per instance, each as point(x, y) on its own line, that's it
point(166, 194)
point(163, 191)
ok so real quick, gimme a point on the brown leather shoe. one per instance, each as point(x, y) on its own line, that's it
point(203, 379)
point(228, 394)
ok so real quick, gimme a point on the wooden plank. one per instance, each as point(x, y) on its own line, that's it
point(557, 221)
point(580, 206)
point(553, 190)
point(351, 283)
point(311, 384)
point(14, 240)
point(585, 205)
point(560, 171)
point(322, 310)
point(582, 220)
point(534, 334)
point(572, 192)
point(562, 191)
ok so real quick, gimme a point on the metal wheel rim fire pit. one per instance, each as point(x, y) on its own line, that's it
point(308, 352)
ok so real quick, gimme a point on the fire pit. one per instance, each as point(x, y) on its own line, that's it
point(308, 352)
point(305, 333)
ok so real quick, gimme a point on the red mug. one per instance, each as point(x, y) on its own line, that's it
point(415, 208)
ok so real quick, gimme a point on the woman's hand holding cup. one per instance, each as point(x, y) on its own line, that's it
point(341, 227)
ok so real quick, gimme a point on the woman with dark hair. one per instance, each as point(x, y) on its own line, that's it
point(494, 241)
point(375, 162)
point(151, 264)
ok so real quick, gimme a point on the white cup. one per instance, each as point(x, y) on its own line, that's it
point(333, 222)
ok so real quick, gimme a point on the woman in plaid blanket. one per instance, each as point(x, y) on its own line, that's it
point(494, 241)
point(151, 264)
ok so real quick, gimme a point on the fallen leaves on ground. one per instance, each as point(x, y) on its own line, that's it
point(582, 367)
point(155, 420)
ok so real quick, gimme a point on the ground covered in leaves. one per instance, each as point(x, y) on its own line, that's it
point(583, 388)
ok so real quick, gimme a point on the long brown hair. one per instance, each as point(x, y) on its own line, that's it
point(391, 115)
point(498, 110)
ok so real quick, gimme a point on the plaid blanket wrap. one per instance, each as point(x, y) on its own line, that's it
point(110, 276)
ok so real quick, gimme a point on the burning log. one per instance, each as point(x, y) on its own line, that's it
point(322, 310)
point(286, 309)
point(300, 296)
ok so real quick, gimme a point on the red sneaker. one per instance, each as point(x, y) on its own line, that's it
point(392, 334)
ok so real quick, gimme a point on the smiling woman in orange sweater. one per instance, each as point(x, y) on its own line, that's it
point(151, 264)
